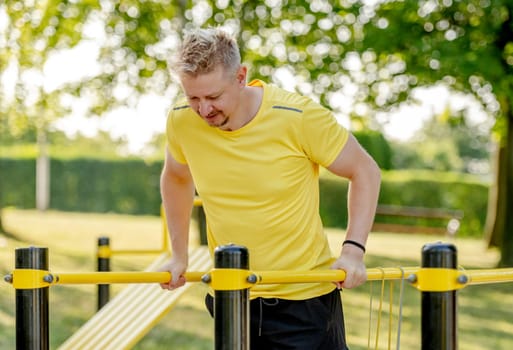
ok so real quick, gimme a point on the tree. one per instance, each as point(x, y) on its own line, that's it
point(447, 142)
point(469, 46)
point(378, 52)
point(30, 32)
point(133, 59)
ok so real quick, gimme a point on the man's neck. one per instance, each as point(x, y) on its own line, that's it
point(251, 100)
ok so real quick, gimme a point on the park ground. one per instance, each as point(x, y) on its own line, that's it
point(485, 312)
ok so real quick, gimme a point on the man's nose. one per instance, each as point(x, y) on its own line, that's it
point(205, 107)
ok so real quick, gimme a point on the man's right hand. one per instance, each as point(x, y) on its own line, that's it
point(176, 267)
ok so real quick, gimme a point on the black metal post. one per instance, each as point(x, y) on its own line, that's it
point(103, 266)
point(439, 329)
point(32, 331)
point(231, 307)
point(202, 225)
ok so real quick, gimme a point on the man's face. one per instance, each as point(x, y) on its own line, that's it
point(214, 96)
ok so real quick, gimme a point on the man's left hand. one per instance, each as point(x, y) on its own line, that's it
point(351, 261)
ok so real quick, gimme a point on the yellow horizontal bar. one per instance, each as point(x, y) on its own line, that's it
point(135, 251)
point(427, 279)
point(272, 277)
point(120, 277)
point(390, 273)
point(489, 276)
point(221, 279)
point(198, 202)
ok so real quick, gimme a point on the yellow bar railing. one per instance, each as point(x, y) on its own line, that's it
point(120, 277)
point(27, 279)
point(484, 276)
point(107, 252)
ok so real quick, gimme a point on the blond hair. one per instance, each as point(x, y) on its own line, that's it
point(203, 50)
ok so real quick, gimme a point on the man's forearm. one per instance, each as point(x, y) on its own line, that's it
point(177, 199)
point(362, 201)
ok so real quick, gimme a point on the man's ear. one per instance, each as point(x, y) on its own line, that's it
point(241, 75)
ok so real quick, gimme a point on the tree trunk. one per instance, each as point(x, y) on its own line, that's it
point(2, 229)
point(506, 191)
point(495, 218)
point(500, 220)
point(507, 234)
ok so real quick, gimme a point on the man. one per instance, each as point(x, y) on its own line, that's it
point(252, 152)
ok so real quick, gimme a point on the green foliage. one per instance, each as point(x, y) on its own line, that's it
point(101, 146)
point(440, 156)
point(132, 187)
point(377, 146)
point(32, 33)
point(20, 150)
point(440, 190)
point(100, 186)
point(458, 39)
point(465, 44)
point(18, 184)
point(433, 154)
point(59, 145)
point(446, 142)
point(87, 185)
point(418, 189)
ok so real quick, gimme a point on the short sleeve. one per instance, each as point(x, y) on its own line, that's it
point(324, 136)
point(173, 141)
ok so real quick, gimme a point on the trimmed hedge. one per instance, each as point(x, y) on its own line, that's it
point(414, 188)
point(132, 187)
point(17, 182)
point(86, 185)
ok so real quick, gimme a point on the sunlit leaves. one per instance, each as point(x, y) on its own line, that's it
point(33, 31)
point(438, 39)
point(370, 53)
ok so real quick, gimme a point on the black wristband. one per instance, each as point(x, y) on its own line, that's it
point(359, 245)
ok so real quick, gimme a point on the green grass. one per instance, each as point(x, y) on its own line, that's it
point(485, 316)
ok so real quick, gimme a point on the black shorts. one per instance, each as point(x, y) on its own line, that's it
point(311, 324)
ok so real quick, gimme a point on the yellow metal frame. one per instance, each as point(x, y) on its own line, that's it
point(104, 252)
point(107, 252)
point(229, 279)
point(33, 279)
point(424, 279)
point(484, 276)
point(29, 279)
point(273, 277)
point(438, 280)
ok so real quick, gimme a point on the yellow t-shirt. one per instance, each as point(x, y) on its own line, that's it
point(259, 184)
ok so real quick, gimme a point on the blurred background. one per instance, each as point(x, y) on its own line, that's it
point(426, 86)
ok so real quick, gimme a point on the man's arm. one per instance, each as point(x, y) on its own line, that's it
point(355, 164)
point(177, 191)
